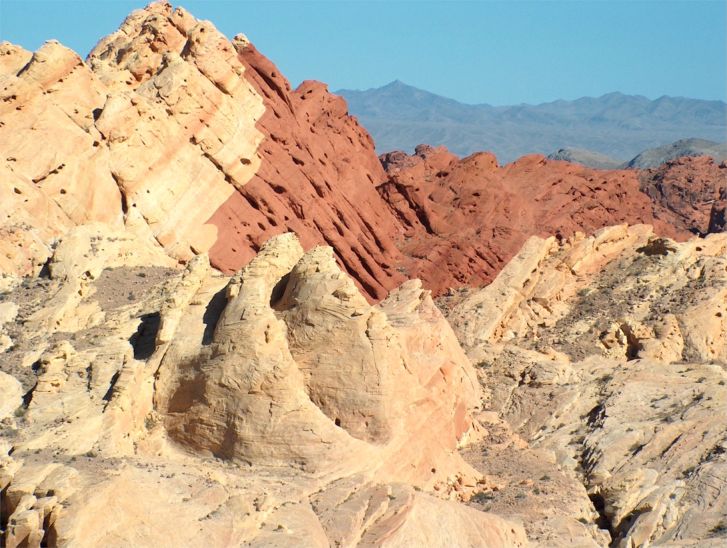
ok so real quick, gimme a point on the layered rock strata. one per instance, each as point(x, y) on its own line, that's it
point(464, 219)
point(180, 136)
point(279, 404)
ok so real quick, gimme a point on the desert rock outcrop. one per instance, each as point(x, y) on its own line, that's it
point(211, 326)
point(608, 353)
point(173, 132)
point(691, 189)
point(464, 219)
point(179, 134)
point(276, 405)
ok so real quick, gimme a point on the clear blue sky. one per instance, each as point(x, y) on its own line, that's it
point(499, 52)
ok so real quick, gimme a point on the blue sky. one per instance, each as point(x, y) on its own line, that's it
point(498, 52)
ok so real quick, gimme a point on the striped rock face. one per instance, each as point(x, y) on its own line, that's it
point(189, 140)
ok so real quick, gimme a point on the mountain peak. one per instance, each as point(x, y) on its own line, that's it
point(398, 85)
point(617, 125)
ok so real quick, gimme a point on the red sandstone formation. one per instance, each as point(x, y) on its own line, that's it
point(317, 178)
point(690, 188)
point(189, 139)
point(463, 220)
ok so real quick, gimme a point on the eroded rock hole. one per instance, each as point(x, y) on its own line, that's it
point(633, 344)
point(144, 340)
point(212, 315)
point(599, 504)
point(278, 291)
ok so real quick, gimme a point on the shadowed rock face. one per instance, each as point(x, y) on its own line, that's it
point(317, 178)
point(464, 219)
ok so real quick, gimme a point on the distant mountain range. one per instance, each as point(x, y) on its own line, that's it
point(648, 158)
point(618, 126)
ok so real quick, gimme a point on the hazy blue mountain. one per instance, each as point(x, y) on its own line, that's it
point(620, 126)
point(585, 157)
point(648, 158)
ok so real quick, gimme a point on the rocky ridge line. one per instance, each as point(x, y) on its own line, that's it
point(472, 215)
point(199, 144)
point(188, 139)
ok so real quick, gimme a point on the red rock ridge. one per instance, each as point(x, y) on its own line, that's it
point(317, 178)
point(690, 188)
point(197, 143)
point(463, 220)
point(190, 140)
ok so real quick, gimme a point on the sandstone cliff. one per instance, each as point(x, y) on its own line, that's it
point(585, 401)
point(181, 362)
point(197, 143)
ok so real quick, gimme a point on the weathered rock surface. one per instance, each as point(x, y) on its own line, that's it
point(609, 354)
point(179, 134)
point(689, 188)
point(463, 220)
point(280, 404)
point(172, 132)
point(264, 409)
